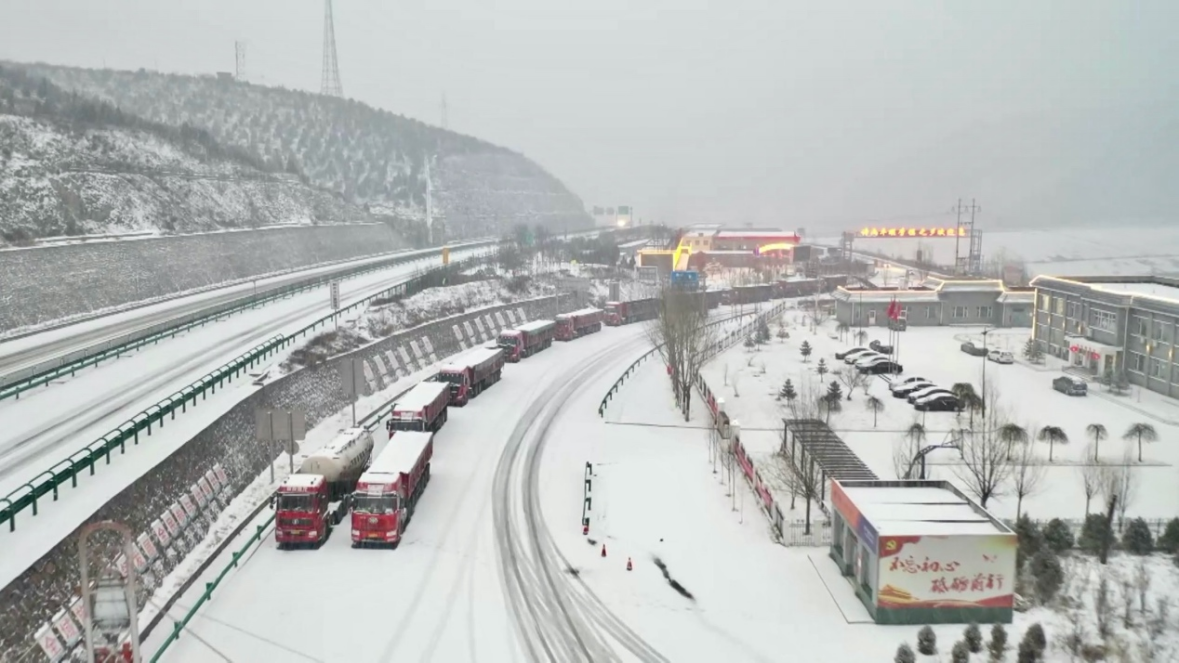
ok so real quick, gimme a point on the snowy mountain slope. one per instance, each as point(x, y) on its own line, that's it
point(69, 166)
point(369, 155)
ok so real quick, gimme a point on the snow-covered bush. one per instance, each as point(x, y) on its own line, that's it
point(1030, 538)
point(927, 641)
point(972, 636)
point(1169, 541)
point(1048, 574)
point(1095, 534)
point(1137, 538)
point(1058, 536)
point(997, 645)
point(904, 654)
point(959, 653)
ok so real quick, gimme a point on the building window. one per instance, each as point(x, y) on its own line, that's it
point(984, 312)
point(1103, 320)
point(1045, 302)
point(1074, 310)
point(930, 312)
point(959, 311)
point(1161, 331)
point(1137, 362)
point(1140, 326)
point(1059, 306)
point(1157, 368)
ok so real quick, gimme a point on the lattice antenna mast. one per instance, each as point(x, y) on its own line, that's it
point(239, 49)
point(330, 80)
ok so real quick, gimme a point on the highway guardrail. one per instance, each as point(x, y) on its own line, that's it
point(44, 373)
point(28, 495)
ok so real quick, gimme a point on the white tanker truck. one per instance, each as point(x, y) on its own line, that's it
point(315, 498)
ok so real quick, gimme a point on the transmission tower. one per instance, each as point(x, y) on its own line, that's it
point(330, 80)
point(239, 50)
point(971, 263)
point(445, 111)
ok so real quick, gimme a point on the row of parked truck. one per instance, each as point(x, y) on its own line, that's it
point(381, 493)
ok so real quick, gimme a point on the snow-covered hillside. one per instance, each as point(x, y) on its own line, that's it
point(71, 167)
point(368, 155)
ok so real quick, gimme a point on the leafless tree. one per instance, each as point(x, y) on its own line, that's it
point(805, 481)
point(1119, 485)
point(904, 453)
point(986, 456)
point(851, 378)
point(875, 405)
point(1027, 473)
point(1090, 482)
point(685, 340)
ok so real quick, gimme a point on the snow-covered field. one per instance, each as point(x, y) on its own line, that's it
point(1061, 252)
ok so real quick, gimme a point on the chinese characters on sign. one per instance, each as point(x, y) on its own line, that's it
point(978, 582)
point(913, 232)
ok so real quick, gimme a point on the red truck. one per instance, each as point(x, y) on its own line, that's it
point(388, 492)
point(578, 323)
point(527, 339)
point(314, 500)
point(471, 373)
point(422, 408)
point(624, 313)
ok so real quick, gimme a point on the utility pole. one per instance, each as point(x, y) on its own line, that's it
point(239, 48)
point(329, 84)
point(960, 265)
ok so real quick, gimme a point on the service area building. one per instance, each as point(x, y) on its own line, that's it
point(938, 302)
point(921, 552)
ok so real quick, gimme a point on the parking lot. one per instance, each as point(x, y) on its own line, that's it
point(750, 380)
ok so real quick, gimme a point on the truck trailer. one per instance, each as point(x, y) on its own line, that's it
point(527, 339)
point(624, 313)
point(388, 492)
point(422, 408)
point(578, 323)
point(312, 501)
point(469, 374)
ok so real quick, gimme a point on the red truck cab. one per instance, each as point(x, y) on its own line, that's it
point(387, 494)
point(578, 323)
point(301, 512)
point(469, 374)
point(614, 313)
point(511, 341)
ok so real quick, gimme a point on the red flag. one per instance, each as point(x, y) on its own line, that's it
point(894, 309)
point(892, 304)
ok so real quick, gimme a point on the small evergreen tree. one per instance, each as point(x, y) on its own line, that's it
point(1096, 534)
point(787, 391)
point(972, 636)
point(1030, 538)
point(1137, 538)
point(834, 396)
point(783, 334)
point(904, 654)
point(1058, 536)
point(749, 343)
point(805, 351)
point(763, 331)
point(1169, 541)
point(1035, 635)
point(927, 641)
point(1027, 653)
point(998, 644)
point(821, 368)
point(1048, 575)
point(959, 653)
point(1033, 352)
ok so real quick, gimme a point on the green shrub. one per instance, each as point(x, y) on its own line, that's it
point(1137, 538)
point(1058, 536)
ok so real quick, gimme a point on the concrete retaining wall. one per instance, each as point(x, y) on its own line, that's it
point(39, 285)
point(50, 583)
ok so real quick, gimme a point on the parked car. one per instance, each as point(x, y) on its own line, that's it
point(865, 359)
point(844, 355)
point(880, 347)
point(922, 393)
point(881, 367)
point(1000, 357)
point(898, 325)
point(897, 384)
point(972, 349)
point(852, 355)
point(903, 391)
point(1073, 386)
point(939, 403)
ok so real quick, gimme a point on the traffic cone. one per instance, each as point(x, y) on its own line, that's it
point(629, 566)
point(603, 550)
point(585, 530)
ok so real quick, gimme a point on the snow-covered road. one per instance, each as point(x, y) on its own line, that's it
point(439, 596)
point(46, 425)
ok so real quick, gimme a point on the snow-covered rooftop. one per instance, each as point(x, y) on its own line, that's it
point(1017, 297)
point(404, 449)
point(919, 510)
point(420, 396)
point(535, 325)
point(297, 482)
point(579, 312)
point(755, 234)
point(1142, 289)
point(981, 285)
point(884, 296)
point(341, 442)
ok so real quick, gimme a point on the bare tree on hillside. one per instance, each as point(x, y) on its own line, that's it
point(851, 378)
point(803, 480)
point(1119, 484)
point(681, 329)
point(986, 454)
point(1090, 482)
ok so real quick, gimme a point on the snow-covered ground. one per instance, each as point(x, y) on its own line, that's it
point(1062, 252)
point(45, 426)
point(1024, 394)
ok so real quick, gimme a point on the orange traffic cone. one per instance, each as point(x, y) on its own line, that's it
point(629, 566)
point(603, 550)
point(585, 530)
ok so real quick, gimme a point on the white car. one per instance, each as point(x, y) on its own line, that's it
point(1000, 357)
point(851, 357)
point(869, 359)
point(922, 393)
point(909, 386)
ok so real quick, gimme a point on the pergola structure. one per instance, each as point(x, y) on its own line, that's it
point(810, 442)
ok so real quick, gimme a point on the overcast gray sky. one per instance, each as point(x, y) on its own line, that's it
point(785, 113)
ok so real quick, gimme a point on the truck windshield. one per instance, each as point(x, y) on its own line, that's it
point(375, 504)
point(296, 502)
point(452, 378)
point(402, 424)
point(508, 342)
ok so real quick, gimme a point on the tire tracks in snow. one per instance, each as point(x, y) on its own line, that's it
point(556, 618)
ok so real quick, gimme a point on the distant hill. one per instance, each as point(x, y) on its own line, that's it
point(75, 166)
point(369, 156)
